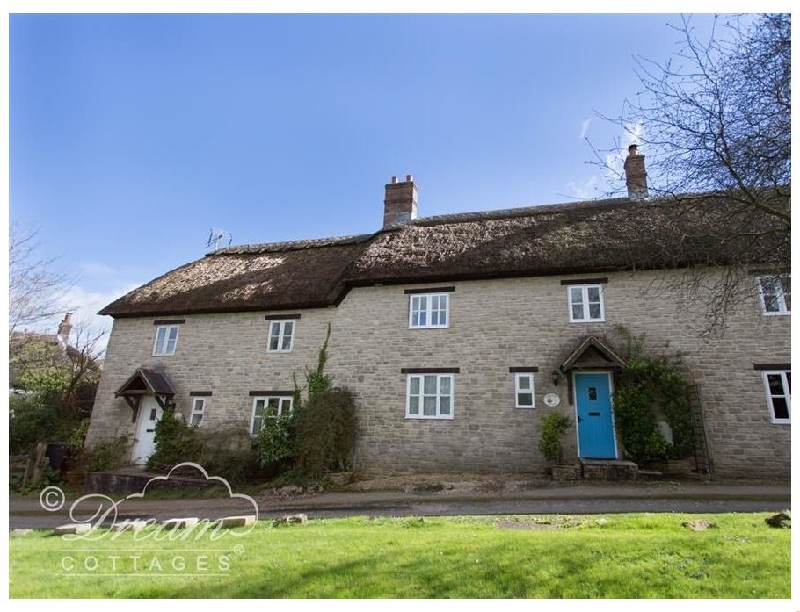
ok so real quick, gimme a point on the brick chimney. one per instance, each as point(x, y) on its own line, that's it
point(400, 203)
point(65, 328)
point(635, 175)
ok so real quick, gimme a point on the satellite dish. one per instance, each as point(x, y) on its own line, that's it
point(216, 235)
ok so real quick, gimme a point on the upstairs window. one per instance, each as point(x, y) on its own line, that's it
point(428, 310)
point(281, 336)
point(778, 385)
point(430, 396)
point(586, 303)
point(268, 407)
point(166, 340)
point(775, 294)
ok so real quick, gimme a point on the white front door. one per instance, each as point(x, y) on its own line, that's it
point(144, 442)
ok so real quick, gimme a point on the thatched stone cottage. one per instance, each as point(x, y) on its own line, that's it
point(457, 332)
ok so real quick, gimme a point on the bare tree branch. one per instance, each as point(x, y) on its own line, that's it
point(36, 285)
point(716, 120)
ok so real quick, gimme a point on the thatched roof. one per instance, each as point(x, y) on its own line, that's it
point(277, 276)
point(585, 237)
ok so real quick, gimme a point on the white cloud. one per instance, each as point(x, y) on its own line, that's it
point(94, 269)
point(586, 190)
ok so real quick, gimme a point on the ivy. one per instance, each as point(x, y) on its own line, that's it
point(651, 387)
point(319, 435)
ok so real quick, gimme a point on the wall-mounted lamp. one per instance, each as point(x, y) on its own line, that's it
point(557, 375)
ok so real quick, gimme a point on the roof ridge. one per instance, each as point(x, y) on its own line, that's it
point(291, 245)
point(528, 211)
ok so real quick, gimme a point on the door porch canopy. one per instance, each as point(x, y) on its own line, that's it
point(145, 381)
point(591, 354)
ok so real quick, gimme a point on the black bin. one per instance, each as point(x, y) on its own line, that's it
point(56, 452)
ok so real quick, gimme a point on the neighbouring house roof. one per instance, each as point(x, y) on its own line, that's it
point(584, 237)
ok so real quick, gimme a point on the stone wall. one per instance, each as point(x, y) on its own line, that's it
point(493, 325)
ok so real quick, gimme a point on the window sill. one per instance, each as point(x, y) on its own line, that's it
point(428, 326)
point(776, 314)
point(416, 417)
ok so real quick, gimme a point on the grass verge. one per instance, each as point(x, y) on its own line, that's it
point(616, 556)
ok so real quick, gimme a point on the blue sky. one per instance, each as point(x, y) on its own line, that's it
point(132, 135)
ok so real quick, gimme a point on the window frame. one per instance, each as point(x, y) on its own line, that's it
point(266, 398)
point(281, 323)
point(518, 390)
point(438, 395)
point(780, 295)
point(201, 412)
point(429, 309)
point(585, 303)
point(787, 394)
point(165, 340)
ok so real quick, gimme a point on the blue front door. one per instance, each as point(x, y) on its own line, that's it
point(595, 423)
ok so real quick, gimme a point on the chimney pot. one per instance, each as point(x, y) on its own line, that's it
point(394, 180)
point(409, 178)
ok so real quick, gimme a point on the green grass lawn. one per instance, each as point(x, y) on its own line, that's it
point(615, 556)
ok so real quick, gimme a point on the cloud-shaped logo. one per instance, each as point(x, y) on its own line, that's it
point(107, 513)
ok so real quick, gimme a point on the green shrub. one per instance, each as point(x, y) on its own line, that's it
point(31, 420)
point(105, 456)
point(326, 431)
point(636, 424)
point(275, 441)
point(176, 442)
point(553, 427)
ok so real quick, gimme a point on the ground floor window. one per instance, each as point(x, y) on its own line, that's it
point(778, 385)
point(198, 411)
point(268, 407)
point(429, 396)
point(523, 386)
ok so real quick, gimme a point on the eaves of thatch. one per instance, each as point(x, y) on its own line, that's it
point(585, 237)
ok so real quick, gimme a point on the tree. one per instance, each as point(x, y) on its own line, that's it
point(36, 286)
point(64, 374)
point(54, 384)
point(715, 118)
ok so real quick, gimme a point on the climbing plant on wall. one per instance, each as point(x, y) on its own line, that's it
point(652, 387)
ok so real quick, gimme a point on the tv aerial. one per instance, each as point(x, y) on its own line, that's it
point(216, 235)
